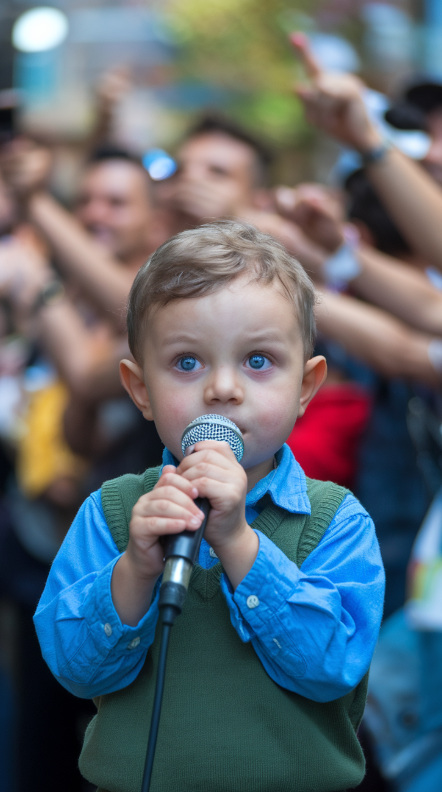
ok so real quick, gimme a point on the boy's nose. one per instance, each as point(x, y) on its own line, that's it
point(223, 385)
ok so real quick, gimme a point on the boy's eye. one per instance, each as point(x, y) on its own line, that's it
point(188, 363)
point(258, 362)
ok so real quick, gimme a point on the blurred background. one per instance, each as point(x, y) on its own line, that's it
point(186, 55)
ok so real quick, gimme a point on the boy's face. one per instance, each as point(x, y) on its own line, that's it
point(237, 352)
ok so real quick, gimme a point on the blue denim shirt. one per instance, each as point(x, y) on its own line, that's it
point(313, 628)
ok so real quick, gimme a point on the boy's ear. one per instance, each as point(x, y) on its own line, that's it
point(131, 377)
point(315, 372)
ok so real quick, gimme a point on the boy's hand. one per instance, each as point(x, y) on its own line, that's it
point(216, 474)
point(168, 509)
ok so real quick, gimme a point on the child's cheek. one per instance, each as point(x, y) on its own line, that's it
point(172, 414)
point(278, 413)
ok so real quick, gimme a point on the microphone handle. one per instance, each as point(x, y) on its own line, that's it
point(180, 552)
point(187, 544)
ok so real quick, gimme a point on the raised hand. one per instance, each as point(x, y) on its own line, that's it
point(334, 102)
point(316, 209)
point(24, 271)
point(112, 86)
point(308, 252)
point(201, 201)
point(25, 166)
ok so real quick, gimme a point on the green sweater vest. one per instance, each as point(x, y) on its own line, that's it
point(225, 725)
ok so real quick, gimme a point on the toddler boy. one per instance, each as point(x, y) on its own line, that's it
point(266, 674)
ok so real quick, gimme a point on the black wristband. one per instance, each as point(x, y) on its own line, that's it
point(375, 154)
point(51, 294)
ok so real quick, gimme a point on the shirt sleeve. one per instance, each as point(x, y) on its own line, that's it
point(81, 636)
point(315, 628)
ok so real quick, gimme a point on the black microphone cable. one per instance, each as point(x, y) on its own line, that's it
point(180, 553)
point(176, 577)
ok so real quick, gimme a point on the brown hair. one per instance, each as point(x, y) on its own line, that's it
point(203, 260)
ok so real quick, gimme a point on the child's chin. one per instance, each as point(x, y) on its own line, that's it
point(250, 461)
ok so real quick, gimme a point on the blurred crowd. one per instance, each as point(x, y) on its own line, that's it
point(371, 240)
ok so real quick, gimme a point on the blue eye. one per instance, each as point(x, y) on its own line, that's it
point(258, 362)
point(188, 363)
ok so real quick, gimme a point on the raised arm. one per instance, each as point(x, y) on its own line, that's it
point(25, 167)
point(393, 285)
point(378, 339)
point(400, 289)
point(335, 104)
point(86, 358)
point(83, 261)
point(110, 89)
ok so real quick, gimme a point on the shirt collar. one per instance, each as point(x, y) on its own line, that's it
point(286, 485)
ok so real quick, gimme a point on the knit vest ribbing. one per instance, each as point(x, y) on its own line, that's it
point(225, 725)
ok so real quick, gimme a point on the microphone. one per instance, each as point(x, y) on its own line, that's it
point(181, 550)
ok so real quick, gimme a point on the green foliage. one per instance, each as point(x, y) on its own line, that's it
point(277, 116)
point(241, 46)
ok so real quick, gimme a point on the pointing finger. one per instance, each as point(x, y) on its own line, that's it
point(304, 50)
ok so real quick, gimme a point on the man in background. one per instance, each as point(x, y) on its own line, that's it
point(222, 172)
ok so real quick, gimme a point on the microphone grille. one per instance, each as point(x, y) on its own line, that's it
point(213, 427)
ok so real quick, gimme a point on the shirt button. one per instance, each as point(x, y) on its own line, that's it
point(133, 644)
point(107, 629)
point(212, 553)
point(252, 601)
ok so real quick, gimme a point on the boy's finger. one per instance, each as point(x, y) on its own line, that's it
point(209, 471)
point(174, 495)
point(163, 526)
point(303, 48)
point(222, 494)
point(214, 451)
point(220, 446)
point(170, 477)
point(164, 508)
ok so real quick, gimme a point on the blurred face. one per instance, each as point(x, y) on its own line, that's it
point(433, 160)
point(238, 353)
point(8, 210)
point(216, 177)
point(114, 206)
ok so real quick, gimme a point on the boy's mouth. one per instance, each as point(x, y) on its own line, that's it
point(232, 418)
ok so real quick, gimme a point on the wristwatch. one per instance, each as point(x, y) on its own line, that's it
point(52, 293)
point(375, 154)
